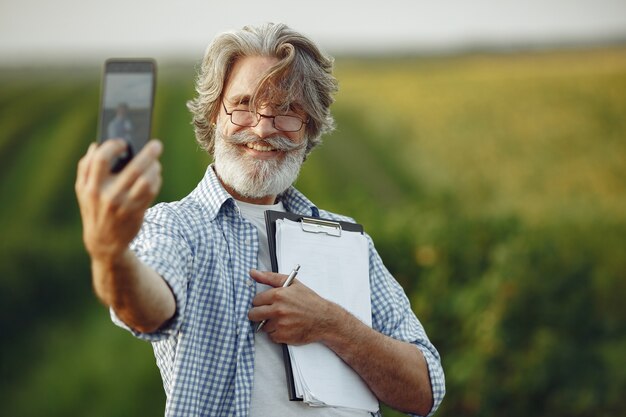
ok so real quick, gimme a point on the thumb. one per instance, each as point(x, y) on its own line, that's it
point(268, 278)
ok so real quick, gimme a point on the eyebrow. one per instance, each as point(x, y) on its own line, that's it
point(245, 98)
point(238, 99)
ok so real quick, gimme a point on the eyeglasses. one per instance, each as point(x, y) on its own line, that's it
point(249, 118)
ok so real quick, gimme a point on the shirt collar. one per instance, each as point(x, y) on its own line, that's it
point(213, 196)
point(295, 202)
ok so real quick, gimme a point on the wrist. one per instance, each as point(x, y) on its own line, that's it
point(340, 328)
point(110, 259)
point(106, 272)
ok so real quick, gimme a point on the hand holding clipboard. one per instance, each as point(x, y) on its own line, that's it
point(287, 283)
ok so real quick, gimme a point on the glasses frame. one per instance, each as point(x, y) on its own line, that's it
point(259, 116)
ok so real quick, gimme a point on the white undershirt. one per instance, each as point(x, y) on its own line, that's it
point(269, 391)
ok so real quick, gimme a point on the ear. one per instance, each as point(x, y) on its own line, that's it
point(213, 118)
point(215, 112)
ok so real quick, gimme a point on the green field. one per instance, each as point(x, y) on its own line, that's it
point(494, 186)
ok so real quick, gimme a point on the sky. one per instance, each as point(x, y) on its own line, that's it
point(61, 30)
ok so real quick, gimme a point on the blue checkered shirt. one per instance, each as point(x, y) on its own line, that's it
point(204, 249)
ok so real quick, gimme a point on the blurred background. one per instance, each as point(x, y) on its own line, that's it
point(482, 144)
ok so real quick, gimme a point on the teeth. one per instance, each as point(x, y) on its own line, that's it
point(258, 147)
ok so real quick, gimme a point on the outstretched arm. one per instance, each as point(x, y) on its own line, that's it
point(112, 207)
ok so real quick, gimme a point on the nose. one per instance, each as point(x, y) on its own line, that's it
point(265, 127)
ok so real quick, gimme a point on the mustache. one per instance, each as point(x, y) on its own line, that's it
point(278, 142)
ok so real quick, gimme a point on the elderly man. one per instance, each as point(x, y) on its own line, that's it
point(191, 276)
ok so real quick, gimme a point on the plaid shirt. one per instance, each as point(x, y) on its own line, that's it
point(204, 249)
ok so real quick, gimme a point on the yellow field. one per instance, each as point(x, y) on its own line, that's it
point(540, 134)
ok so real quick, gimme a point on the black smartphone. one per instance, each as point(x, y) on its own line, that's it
point(127, 99)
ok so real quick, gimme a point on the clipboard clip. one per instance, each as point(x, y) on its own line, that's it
point(313, 225)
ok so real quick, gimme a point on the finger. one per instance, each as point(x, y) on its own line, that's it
point(82, 171)
point(146, 187)
point(151, 150)
point(269, 327)
point(267, 297)
point(260, 313)
point(269, 278)
point(139, 164)
point(103, 157)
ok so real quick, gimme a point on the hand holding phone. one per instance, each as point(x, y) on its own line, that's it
point(112, 205)
point(127, 101)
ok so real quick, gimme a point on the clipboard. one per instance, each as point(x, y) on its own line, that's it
point(312, 225)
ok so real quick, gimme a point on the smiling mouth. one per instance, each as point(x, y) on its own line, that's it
point(260, 147)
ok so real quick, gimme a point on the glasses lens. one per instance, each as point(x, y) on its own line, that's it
point(284, 123)
point(287, 123)
point(244, 118)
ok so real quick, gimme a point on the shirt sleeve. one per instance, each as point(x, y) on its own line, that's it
point(392, 315)
point(163, 245)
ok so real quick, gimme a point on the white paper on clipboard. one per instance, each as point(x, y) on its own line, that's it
point(337, 268)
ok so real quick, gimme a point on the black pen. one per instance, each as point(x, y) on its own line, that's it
point(287, 283)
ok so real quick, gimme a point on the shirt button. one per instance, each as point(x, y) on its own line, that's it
point(249, 283)
point(248, 241)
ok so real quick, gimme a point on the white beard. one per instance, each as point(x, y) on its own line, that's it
point(256, 178)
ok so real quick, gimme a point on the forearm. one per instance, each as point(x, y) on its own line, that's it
point(395, 371)
point(137, 294)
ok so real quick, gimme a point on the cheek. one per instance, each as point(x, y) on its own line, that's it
point(227, 129)
point(296, 137)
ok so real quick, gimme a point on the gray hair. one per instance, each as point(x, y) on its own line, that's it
point(302, 76)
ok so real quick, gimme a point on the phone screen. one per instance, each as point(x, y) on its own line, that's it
point(126, 107)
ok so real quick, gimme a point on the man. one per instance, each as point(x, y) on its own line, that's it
point(121, 126)
point(192, 281)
